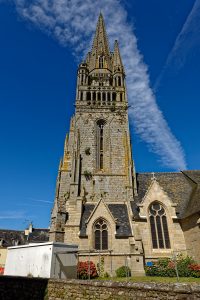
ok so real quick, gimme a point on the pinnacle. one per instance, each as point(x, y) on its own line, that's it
point(117, 62)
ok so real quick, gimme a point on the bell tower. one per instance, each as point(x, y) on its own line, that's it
point(97, 170)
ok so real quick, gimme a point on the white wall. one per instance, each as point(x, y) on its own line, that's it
point(39, 260)
point(29, 260)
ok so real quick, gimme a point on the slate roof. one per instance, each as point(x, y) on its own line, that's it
point(12, 237)
point(183, 188)
point(194, 202)
point(17, 237)
point(38, 235)
point(87, 210)
point(120, 214)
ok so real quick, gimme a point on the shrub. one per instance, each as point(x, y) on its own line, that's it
point(195, 270)
point(88, 175)
point(86, 268)
point(87, 151)
point(183, 266)
point(123, 271)
point(106, 275)
point(167, 267)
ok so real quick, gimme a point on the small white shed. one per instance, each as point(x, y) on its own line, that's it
point(49, 260)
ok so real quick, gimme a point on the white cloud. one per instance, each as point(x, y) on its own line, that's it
point(73, 23)
point(7, 215)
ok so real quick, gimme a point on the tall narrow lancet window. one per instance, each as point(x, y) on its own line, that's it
point(119, 81)
point(100, 62)
point(100, 144)
point(159, 226)
point(100, 235)
point(88, 96)
point(104, 96)
point(81, 96)
point(99, 96)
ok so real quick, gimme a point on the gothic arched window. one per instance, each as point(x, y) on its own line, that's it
point(100, 235)
point(100, 62)
point(159, 227)
point(100, 142)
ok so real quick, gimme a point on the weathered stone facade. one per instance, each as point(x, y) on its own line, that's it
point(97, 180)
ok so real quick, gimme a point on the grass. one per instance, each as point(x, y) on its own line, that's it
point(155, 279)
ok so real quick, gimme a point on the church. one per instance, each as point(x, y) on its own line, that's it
point(115, 215)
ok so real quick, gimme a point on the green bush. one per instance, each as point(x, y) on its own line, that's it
point(167, 267)
point(123, 272)
point(183, 266)
point(195, 269)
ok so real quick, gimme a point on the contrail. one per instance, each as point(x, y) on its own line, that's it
point(188, 38)
point(72, 23)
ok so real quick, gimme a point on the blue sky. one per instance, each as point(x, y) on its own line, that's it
point(38, 64)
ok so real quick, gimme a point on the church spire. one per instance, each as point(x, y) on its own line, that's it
point(117, 61)
point(100, 47)
point(100, 42)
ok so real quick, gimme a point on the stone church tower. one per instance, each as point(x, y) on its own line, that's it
point(117, 217)
point(96, 176)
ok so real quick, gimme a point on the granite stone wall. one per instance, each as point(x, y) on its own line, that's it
point(21, 288)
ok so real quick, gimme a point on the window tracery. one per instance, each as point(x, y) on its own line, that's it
point(159, 226)
point(101, 235)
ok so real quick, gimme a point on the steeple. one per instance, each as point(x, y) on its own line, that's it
point(100, 47)
point(117, 62)
point(100, 42)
